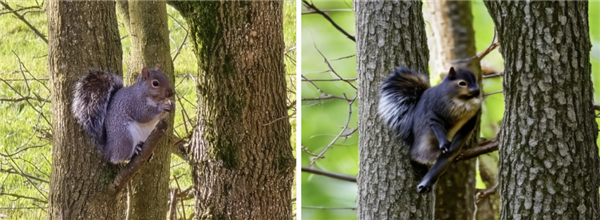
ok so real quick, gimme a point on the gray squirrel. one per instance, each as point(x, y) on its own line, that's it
point(433, 122)
point(120, 119)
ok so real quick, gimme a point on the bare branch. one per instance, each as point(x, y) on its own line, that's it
point(331, 68)
point(24, 175)
point(24, 197)
point(322, 207)
point(35, 30)
point(341, 134)
point(326, 10)
point(491, 93)
point(329, 174)
point(329, 80)
point(326, 16)
point(486, 193)
point(493, 75)
point(485, 147)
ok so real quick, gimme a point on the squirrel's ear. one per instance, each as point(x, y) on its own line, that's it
point(145, 74)
point(157, 67)
point(452, 71)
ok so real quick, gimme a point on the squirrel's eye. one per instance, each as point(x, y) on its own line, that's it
point(155, 83)
point(462, 83)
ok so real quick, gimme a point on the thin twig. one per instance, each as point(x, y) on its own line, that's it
point(491, 93)
point(493, 75)
point(323, 207)
point(328, 80)
point(12, 171)
point(339, 135)
point(329, 174)
point(35, 30)
point(317, 10)
point(331, 68)
point(326, 10)
point(24, 197)
point(486, 193)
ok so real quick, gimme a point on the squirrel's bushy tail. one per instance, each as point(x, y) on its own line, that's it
point(90, 101)
point(398, 96)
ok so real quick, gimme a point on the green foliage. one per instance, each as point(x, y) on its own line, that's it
point(27, 134)
point(322, 120)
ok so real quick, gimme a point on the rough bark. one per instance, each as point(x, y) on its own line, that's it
point(82, 35)
point(242, 159)
point(149, 32)
point(388, 34)
point(453, 38)
point(548, 164)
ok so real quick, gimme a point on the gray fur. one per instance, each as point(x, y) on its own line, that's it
point(398, 97)
point(111, 114)
point(433, 122)
point(90, 102)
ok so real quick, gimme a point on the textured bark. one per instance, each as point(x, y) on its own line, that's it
point(149, 32)
point(242, 159)
point(388, 34)
point(548, 164)
point(453, 38)
point(82, 35)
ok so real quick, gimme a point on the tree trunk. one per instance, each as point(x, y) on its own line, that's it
point(453, 38)
point(82, 35)
point(388, 34)
point(548, 164)
point(149, 32)
point(243, 163)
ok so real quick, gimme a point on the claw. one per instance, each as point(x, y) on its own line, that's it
point(423, 188)
point(138, 149)
point(445, 147)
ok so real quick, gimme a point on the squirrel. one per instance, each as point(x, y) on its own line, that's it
point(433, 122)
point(120, 119)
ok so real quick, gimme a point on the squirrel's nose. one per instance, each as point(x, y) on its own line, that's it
point(474, 92)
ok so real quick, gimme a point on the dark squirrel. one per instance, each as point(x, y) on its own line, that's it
point(120, 119)
point(433, 122)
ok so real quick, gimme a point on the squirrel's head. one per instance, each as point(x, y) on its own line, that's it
point(158, 84)
point(462, 84)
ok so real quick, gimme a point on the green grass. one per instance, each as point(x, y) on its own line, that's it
point(24, 130)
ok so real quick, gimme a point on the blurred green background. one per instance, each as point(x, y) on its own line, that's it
point(322, 120)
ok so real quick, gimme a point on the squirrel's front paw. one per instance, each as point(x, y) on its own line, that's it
point(445, 147)
point(166, 105)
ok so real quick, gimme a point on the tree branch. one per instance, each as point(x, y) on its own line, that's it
point(35, 30)
point(24, 197)
point(137, 162)
point(329, 174)
point(317, 10)
point(485, 147)
point(486, 193)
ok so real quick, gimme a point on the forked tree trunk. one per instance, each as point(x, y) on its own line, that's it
point(548, 153)
point(149, 33)
point(82, 35)
point(453, 38)
point(388, 34)
point(242, 164)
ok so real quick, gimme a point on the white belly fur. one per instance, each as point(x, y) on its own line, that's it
point(140, 131)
